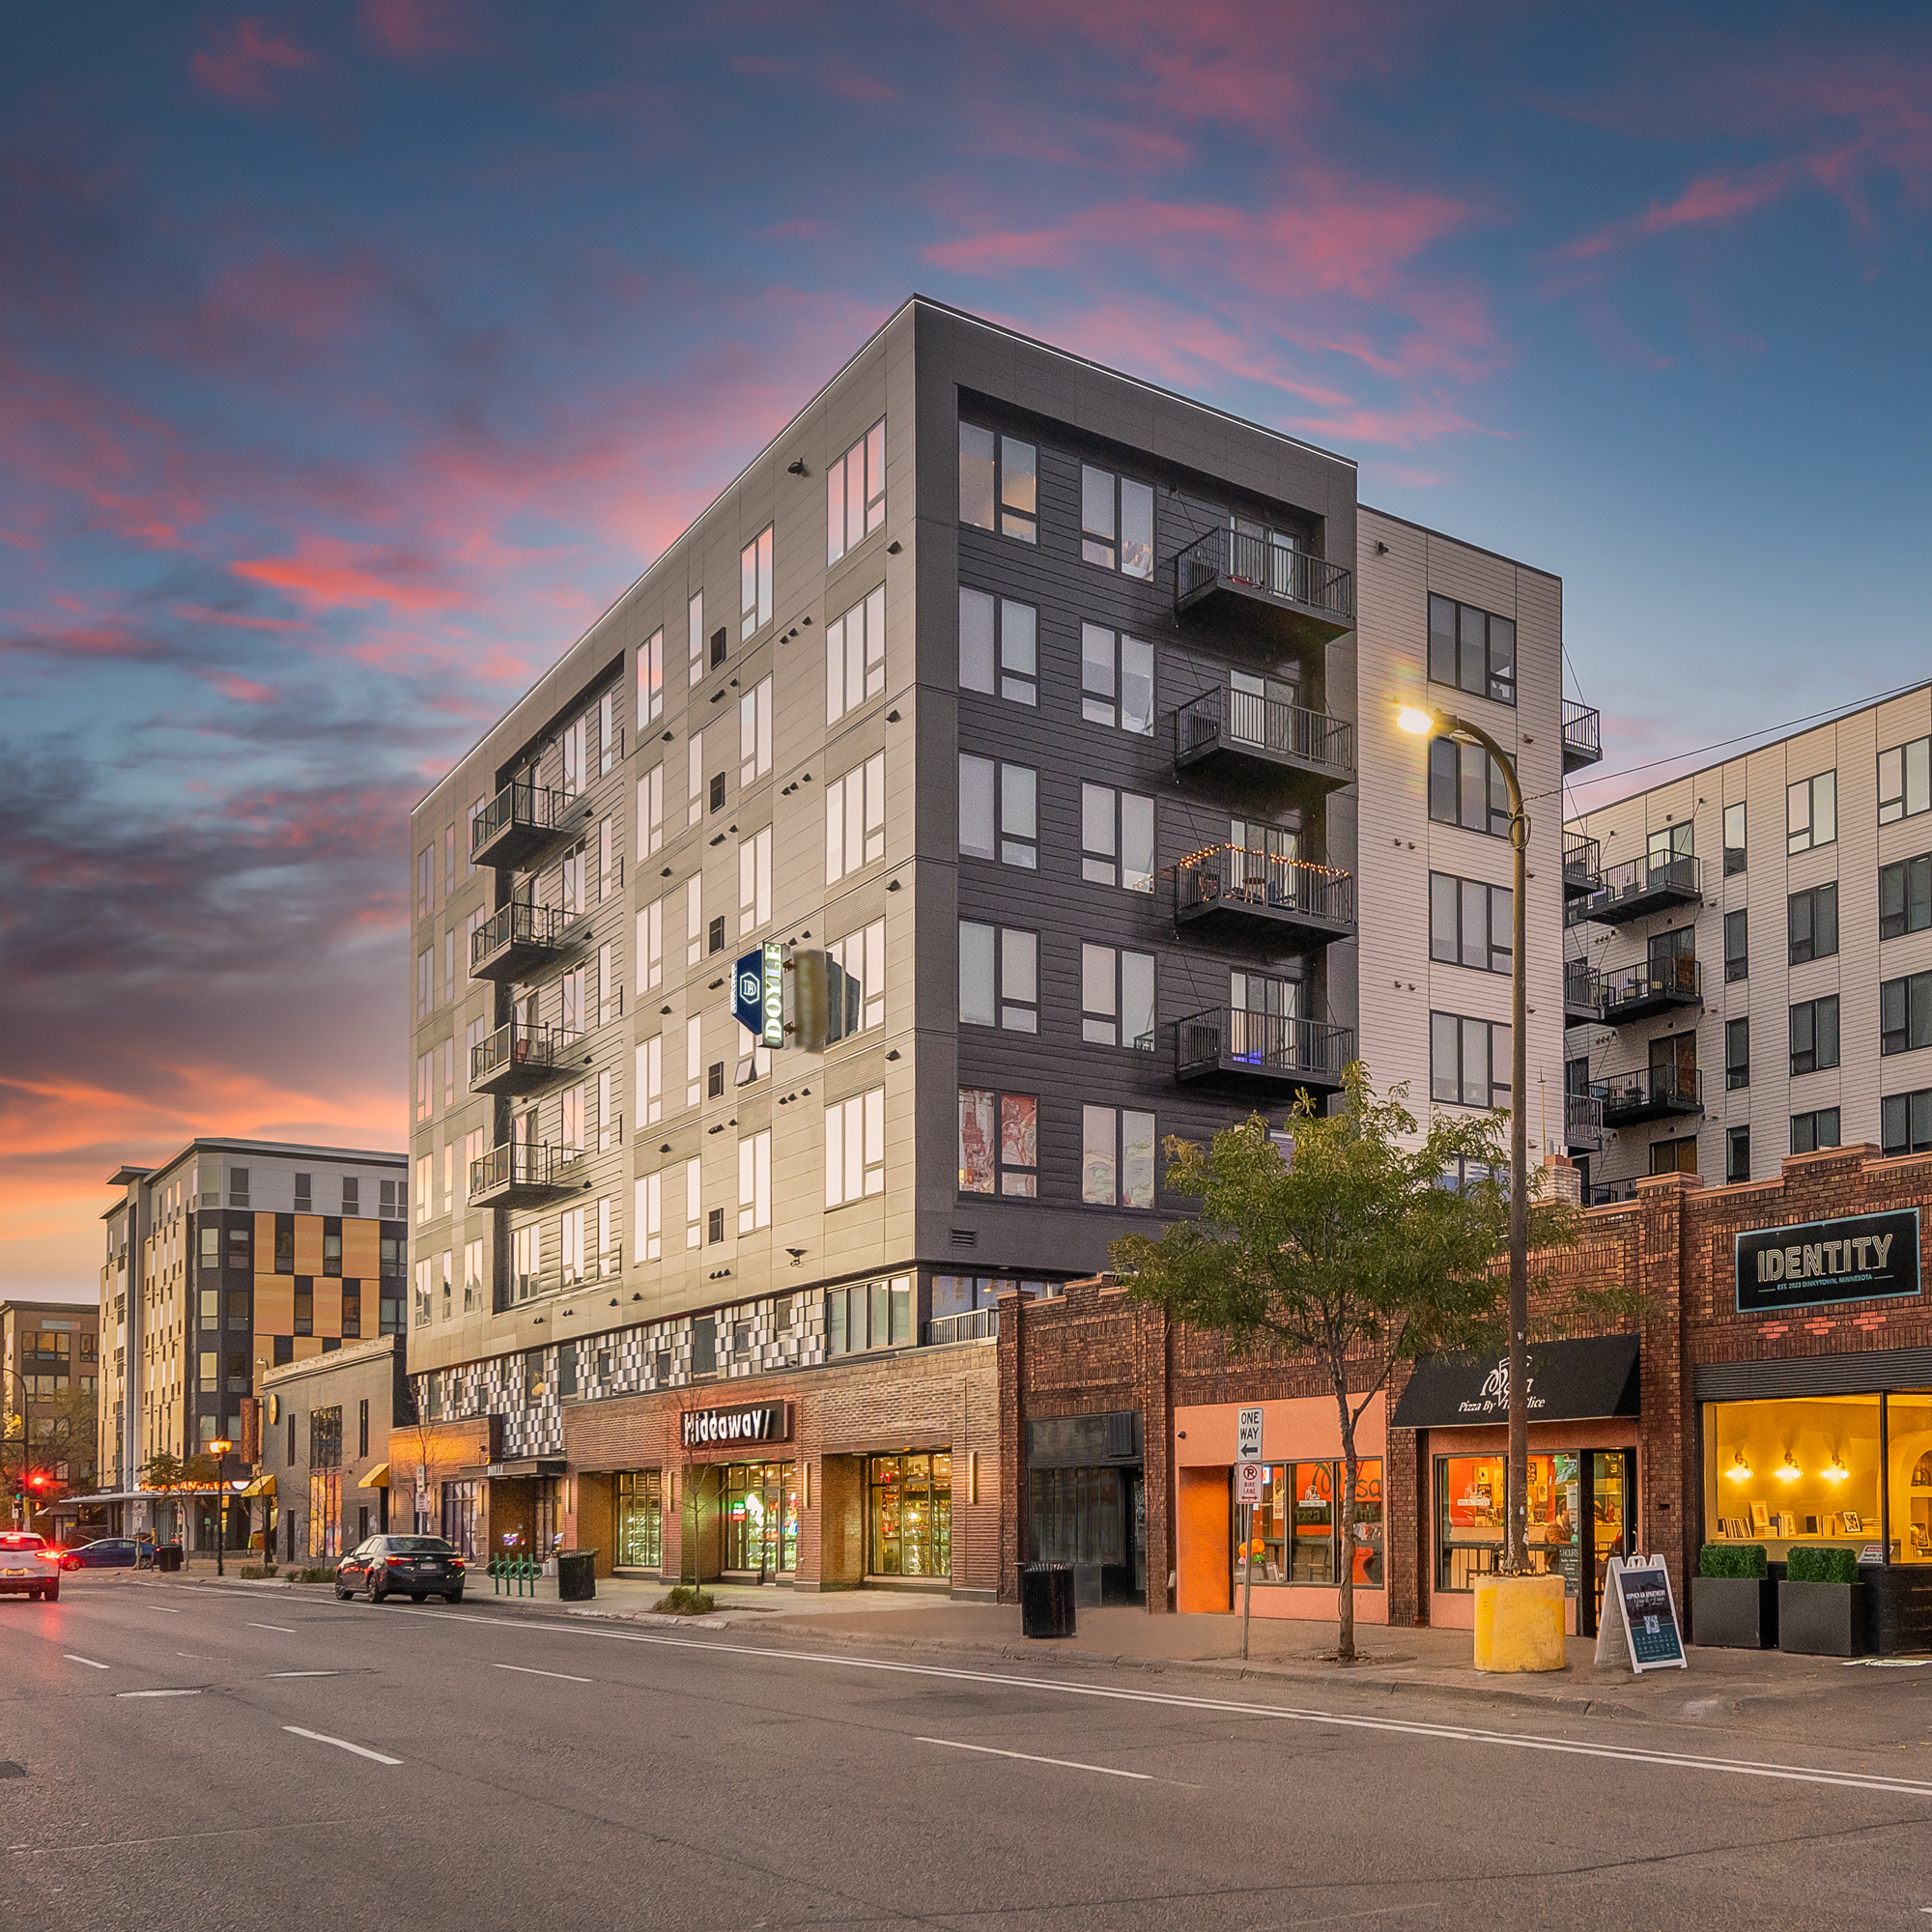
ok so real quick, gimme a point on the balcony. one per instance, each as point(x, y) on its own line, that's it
point(1261, 1053)
point(1583, 994)
point(973, 1324)
point(1237, 735)
point(1296, 596)
point(1233, 889)
point(1644, 992)
point(1638, 889)
point(519, 1059)
point(1582, 1122)
point(520, 1174)
point(1582, 736)
point(1660, 1096)
point(512, 943)
point(1582, 866)
point(519, 822)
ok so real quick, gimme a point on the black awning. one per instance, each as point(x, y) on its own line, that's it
point(1569, 1381)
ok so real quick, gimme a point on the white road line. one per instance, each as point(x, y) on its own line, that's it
point(524, 1670)
point(1064, 1763)
point(283, 1628)
point(88, 1661)
point(304, 1673)
point(158, 1693)
point(164, 1609)
point(341, 1744)
point(1798, 1774)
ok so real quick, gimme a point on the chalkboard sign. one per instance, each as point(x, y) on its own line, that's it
point(1649, 1613)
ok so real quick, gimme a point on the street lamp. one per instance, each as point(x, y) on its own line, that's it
point(1425, 723)
point(219, 1449)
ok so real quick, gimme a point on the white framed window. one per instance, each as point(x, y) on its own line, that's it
point(754, 1182)
point(1116, 521)
point(450, 1177)
point(999, 811)
point(609, 1123)
point(475, 812)
point(754, 1058)
point(570, 1234)
point(694, 778)
point(475, 1144)
point(1905, 781)
point(649, 1213)
point(693, 1062)
point(571, 1000)
point(999, 473)
point(754, 881)
point(610, 867)
point(651, 810)
point(1116, 839)
point(425, 1287)
point(693, 614)
point(571, 877)
point(425, 982)
point(1116, 680)
point(755, 733)
point(609, 1259)
point(694, 1205)
point(1117, 1150)
point(650, 946)
point(855, 494)
point(570, 1123)
point(999, 647)
point(694, 918)
point(449, 963)
point(425, 1180)
point(650, 1080)
point(473, 1276)
point(855, 656)
point(862, 955)
point(1811, 813)
point(855, 1148)
point(606, 733)
point(576, 755)
point(651, 678)
point(526, 1260)
point(425, 1085)
point(999, 977)
point(855, 818)
point(1117, 997)
point(449, 1072)
point(609, 993)
point(754, 580)
point(425, 881)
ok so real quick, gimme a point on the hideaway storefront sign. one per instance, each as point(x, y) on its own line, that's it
point(1860, 1258)
point(756, 1423)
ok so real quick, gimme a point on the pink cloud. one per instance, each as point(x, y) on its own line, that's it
point(241, 61)
point(1714, 199)
point(326, 574)
point(403, 28)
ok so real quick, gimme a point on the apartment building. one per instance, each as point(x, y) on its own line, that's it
point(1057, 712)
point(231, 1257)
point(49, 1379)
point(1750, 956)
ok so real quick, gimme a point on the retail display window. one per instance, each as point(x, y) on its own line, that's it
point(761, 1518)
point(1568, 1490)
point(910, 1516)
point(1295, 1535)
point(640, 1512)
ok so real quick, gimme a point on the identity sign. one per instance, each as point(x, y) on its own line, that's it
point(1859, 1258)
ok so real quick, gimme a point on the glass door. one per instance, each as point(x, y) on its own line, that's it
point(1613, 1512)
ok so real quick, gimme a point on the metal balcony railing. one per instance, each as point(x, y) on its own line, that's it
point(520, 819)
point(1264, 566)
point(515, 935)
point(1647, 1096)
point(1237, 877)
point(1640, 886)
point(1582, 735)
point(1582, 1121)
point(521, 1167)
point(517, 1057)
point(975, 1324)
point(1654, 986)
point(1582, 992)
point(1264, 728)
point(1226, 1039)
point(1582, 863)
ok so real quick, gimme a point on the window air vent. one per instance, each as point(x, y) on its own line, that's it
point(965, 1238)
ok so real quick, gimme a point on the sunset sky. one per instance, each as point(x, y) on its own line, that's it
point(353, 357)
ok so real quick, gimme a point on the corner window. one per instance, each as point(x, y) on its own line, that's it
point(1116, 522)
point(1905, 1122)
point(1814, 1130)
point(999, 811)
point(1468, 1062)
point(1470, 923)
point(855, 818)
point(1116, 839)
point(1811, 813)
point(1116, 680)
point(1471, 649)
point(1905, 896)
point(855, 656)
point(1734, 838)
point(1467, 787)
point(855, 494)
point(1116, 1157)
point(1116, 998)
point(999, 647)
point(1812, 922)
point(1905, 1013)
point(1737, 946)
point(999, 1143)
point(754, 582)
point(999, 475)
point(999, 977)
point(855, 1148)
point(1905, 781)
point(1814, 1035)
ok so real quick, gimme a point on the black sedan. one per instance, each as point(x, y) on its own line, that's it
point(105, 1553)
point(401, 1566)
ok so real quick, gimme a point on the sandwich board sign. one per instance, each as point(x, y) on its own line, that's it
point(1639, 1608)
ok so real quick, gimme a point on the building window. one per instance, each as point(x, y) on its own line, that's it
point(999, 1143)
point(238, 1187)
point(693, 1211)
point(1467, 787)
point(754, 1180)
point(576, 756)
point(425, 1182)
point(1116, 522)
point(694, 918)
point(1814, 1130)
point(1116, 680)
point(1814, 1035)
point(1116, 839)
point(650, 1080)
point(425, 1287)
point(425, 982)
point(650, 946)
point(999, 473)
point(1296, 1526)
point(425, 881)
point(855, 818)
point(1734, 838)
point(694, 1060)
point(1905, 896)
point(1008, 833)
point(999, 647)
point(1468, 1062)
point(1905, 1122)
point(1737, 1154)
point(862, 956)
point(714, 1227)
point(1116, 1157)
point(855, 494)
point(870, 1315)
point(570, 1123)
point(714, 1085)
point(639, 1501)
point(1737, 946)
point(754, 580)
point(909, 1516)
point(651, 677)
point(755, 733)
point(1812, 919)
point(754, 881)
point(1117, 997)
point(855, 1148)
point(1905, 781)
point(999, 977)
point(1737, 1052)
point(571, 876)
point(1905, 1013)
point(1471, 649)
point(855, 656)
point(606, 733)
point(649, 1210)
point(1469, 922)
point(473, 1276)
point(1811, 813)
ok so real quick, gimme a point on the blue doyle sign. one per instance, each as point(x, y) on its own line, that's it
point(747, 992)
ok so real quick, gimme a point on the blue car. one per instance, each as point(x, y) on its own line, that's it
point(106, 1552)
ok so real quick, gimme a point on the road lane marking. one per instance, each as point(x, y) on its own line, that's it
point(1027, 1757)
point(283, 1628)
point(305, 1673)
point(1797, 1773)
point(158, 1693)
point(524, 1670)
point(341, 1744)
point(88, 1661)
point(164, 1609)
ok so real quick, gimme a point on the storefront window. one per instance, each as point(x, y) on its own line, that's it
point(1077, 1516)
point(1805, 1471)
point(639, 1502)
point(458, 1517)
point(762, 1516)
point(911, 1516)
point(1296, 1526)
point(325, 1513)
point(1470, 1493)
point(1909, 1437)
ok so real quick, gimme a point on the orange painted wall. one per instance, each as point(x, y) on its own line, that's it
point(275, 1303)
point(1204, 1556)
point(309, 1243)
point(361, 1248)
point(328, 1306)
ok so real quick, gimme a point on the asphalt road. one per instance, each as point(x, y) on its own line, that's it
point(201, 1758)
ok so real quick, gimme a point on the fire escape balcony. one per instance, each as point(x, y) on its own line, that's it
point(1645, 992)
point(1582, 736)
point(1582, 866)
point(1262, 1054)
point(1294, 596)
point(1664, 1094)
point(1254, 740)
point(1582, 1122)
point(521, 1174)
point(512, 943)
point(1639, 888)
point(1291, 901)
point(520, 822)
point(1583, 994)
point(519, 1059)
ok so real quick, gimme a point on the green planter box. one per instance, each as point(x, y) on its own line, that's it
point(1821, 1619)
point(1734, 1613)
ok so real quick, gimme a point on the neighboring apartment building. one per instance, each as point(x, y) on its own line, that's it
point(50, 1382)
point(1751, 957)
point(1060, 711)
point(231, 1257)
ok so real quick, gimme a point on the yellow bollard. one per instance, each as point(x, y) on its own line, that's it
point(1520, 1623)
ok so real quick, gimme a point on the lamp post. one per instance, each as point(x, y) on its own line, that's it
point(219, 1449)
point(1425, 723)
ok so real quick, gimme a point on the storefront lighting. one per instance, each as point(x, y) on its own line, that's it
point(1838, 1472)
point(1791, 1472)
point(1739, 1470)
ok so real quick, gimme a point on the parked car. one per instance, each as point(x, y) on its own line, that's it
point(29, 1567)
point(105, 1553)
point(392, 1566)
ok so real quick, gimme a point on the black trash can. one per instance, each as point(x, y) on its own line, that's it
point(168, 1556)
point(576, 1575)
point(1046, 1600)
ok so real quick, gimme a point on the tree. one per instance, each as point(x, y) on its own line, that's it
point(178, 1476)
point(1361, 1250)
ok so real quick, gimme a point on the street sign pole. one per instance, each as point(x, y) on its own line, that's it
point(1248, 1452)
point(1248, 1587)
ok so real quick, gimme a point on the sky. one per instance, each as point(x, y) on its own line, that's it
point(355, 357)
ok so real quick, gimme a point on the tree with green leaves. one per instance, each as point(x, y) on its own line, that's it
point(178, 1477)
point(1367, 1245)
